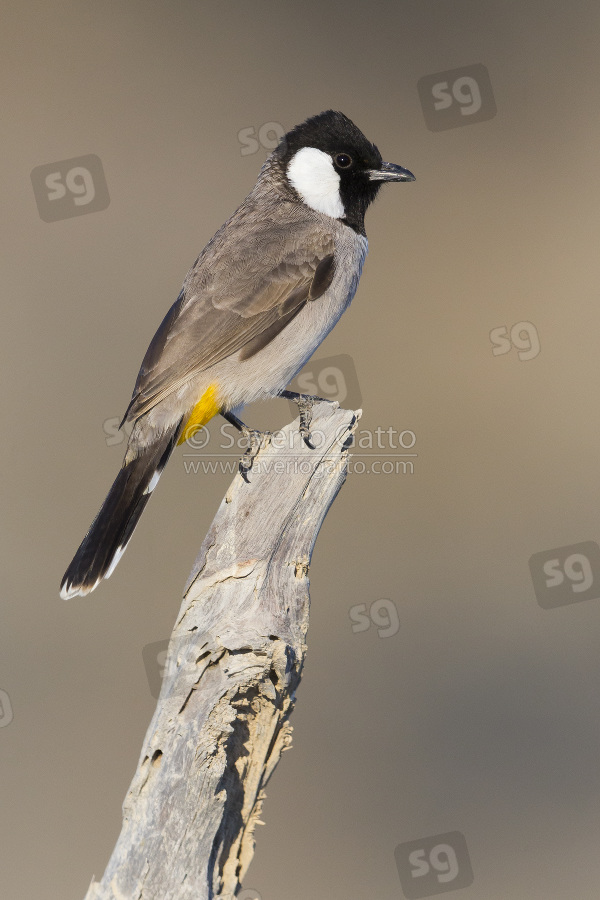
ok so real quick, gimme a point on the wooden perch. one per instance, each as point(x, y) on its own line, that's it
point(234, 662)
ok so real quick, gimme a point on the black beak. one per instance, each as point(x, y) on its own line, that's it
point(390, 172)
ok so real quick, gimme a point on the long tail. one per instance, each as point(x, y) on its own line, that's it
point(105, 543)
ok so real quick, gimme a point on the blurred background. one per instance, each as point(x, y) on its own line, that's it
point(447, 729)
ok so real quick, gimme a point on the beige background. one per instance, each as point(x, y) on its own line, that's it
point(480, 715)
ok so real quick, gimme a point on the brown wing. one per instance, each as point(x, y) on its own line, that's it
point(246, 286)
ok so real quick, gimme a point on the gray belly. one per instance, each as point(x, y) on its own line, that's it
point(269, 371)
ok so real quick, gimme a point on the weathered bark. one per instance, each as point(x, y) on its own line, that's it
point(234, 662)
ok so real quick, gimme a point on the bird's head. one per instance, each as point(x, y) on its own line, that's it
point(330, 166)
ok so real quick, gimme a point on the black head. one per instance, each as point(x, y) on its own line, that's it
point(333, 168)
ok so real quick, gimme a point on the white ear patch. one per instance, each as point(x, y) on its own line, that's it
point(311, 173)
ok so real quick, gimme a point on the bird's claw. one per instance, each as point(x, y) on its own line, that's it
point(305, 403)
point(255, 441)
point(305, 409)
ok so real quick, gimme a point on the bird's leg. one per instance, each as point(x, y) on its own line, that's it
point(254, 439)
point(305, 403)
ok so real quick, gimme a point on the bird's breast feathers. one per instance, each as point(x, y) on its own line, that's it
point(254, 307)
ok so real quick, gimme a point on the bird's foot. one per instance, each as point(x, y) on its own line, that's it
point(305, 403)
point(256, 439)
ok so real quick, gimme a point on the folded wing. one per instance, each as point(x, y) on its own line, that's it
point(241, 293)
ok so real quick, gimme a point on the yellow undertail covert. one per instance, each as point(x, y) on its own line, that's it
point(206, 407)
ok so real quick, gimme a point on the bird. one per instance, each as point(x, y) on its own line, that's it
point(257, 302)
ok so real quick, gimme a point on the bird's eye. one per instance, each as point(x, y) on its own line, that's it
point(343, 161)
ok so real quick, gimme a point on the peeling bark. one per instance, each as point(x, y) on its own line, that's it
point(234, 662)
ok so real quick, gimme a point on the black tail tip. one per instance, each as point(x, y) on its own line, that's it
point(74, 585)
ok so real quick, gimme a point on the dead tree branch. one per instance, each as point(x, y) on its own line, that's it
point(234, 662)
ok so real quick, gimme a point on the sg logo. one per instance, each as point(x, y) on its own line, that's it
point(457, 97)
point(523, 336)
point(269, 135)
point(382, 613)
point(114, 434)
point(71, 187)
point(6, 711)
point(434, 865)
point(155, 660)
point(566, 575)
point(158, 667)
point(332, 378)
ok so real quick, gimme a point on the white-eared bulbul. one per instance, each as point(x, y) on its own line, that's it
point(258, 301)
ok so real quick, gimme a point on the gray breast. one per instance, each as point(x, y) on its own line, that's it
point(271, 369)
